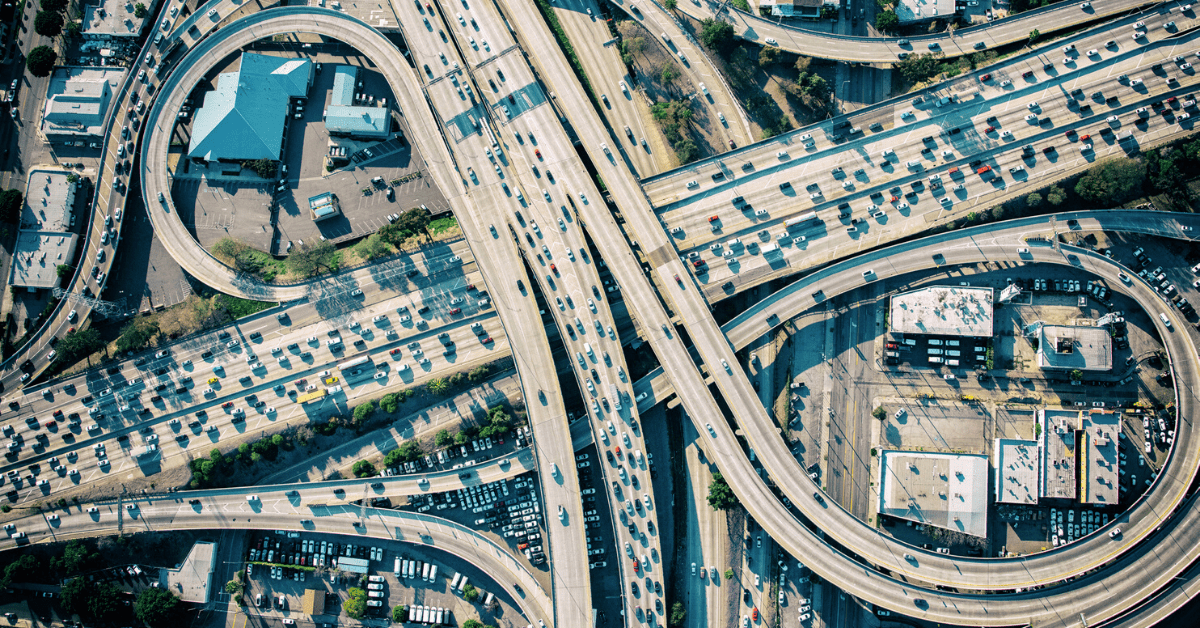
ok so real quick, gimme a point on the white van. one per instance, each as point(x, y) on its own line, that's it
point(1163, 317)
point(587, 346)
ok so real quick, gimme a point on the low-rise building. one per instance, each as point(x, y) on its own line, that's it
point(79, 101)
point(914, 11)
point(1059, 479)
point(1072, 347)
point(112, 19)
point(347, 115)
point(324, 205)
point(44, 237)
point(946, 490)
point(810, 9)
point(192, 580)
point(943, 311)
point(1099, 483)
point(1018, 468)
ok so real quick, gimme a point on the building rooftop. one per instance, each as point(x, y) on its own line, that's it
point(1058, 453)
point(353, 565)
point(49, 201)
point(360, 121)
point(313, 602)
point(324, 205)
point(943, 311)
point(945, 490)
point(1099, 463)
point(111, 18)
point(38, 255)
point(1065, 347)
point(78, 100)
point(1017, 470)
point(192, 581)
point(245, 116)
point(345, 78)
point(919, 10)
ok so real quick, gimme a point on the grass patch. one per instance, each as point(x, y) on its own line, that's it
point(442, 225)
point(238, 307)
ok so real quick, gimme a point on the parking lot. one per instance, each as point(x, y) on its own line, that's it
point(222, 200)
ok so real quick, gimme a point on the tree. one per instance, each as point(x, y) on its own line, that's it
point(265, 168)
point(918, 68)
point(96, 602)
point(678, 613)
point(48, 23)
point(79, 344)
point(41, 61)
point(720, 496)
point(58, 6)
point(411, 450)
point(415, 220)
point(1034, 34)
point(137, 334)
point(1056, 196)
point(887, 21)
point(1076, 375)
point(717, 36)
point(373, 247)
point(443, 438)
point(390, 403)
point(10, 205)
point(157, 607)
point(475, 623)
point(20, 570)
point(767, 56)
point(470, 593)
point(1111, 182)
point(437, 386)
point(233, 587)
point(363, 469)
point(363, 412)
point(64, 271)
point(879, 413)
point(311, 259)
point(1034, 200)
point(400, 614)
point(139, 10)
point(76, 557)
point(355, 605)
point(670, 4)
point(669, 73)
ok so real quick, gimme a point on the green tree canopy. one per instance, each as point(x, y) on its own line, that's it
point(363, 412)
point(139, 10)
point(887, 21)
point(443, 438)
point(1056, 196)
point(363, 469)
point(79, 344)
point(918, 68)
point(356, 604)
point(48, 23)
point(717, 36)
point(157, 607)
point(400, 614)
point(57, 6)
point(94, 602)
point(470, 593)
point(1111, 182)
point(438, 386)
point(41, 61)
point(720, 496)
point(76, 556)
point(309, 260)
point(24, 569)
point(10, 205)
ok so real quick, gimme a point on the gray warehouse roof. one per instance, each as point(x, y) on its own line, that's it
point(943, 311)
point(78, 100)
point(1017, 470)
point(1099, 464)
point(38, 255)
point(1073, 347)
point(192, 581)
point(111, 18)
point(49, 200)
point(244, 118)
point(945, 490)
point(920, 10)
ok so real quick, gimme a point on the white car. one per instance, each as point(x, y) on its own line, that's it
point(710, 429)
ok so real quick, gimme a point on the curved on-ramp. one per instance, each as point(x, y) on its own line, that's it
point(160, 122)
point(234, 511)
point(1045, 568)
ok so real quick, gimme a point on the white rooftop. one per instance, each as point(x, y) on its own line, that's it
point(112, 18)
point(38, 255)
point(941, 489)
point(919, 10)
point(1099, 464)
point(192, 581)
point(1074, 347)
point(49, 199)
point(943, 311)
point(78, 100)
point(1017, 470)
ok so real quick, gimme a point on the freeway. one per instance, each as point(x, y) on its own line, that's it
point(95, 258)
point(962, 41)
point(1156, 506)
point(839, 569)
point(235, 511)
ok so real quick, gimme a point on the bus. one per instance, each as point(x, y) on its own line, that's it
point(311, 396)
point(356, 362)
point(800, 220)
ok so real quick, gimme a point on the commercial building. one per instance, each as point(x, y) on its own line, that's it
point(111, 19)
point(192, 581)
point(912, 11)
point(78, 103)
point(1018, 468)
point(943, 311)
point(244, 118)
point(1057, 442)
point(1069, 348)
point(949, 491)
point(347, 115)
point(324, 205)
point(44, 237)
point(1099, 466)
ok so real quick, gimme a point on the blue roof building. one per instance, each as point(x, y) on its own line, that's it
point(244, 118)
point(342, 117)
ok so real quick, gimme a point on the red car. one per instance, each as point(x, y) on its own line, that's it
point(396, 351)
point(457, 310)
point(985, 77)
point(58, 413)
point(983, 170)
point(1027, 74)
point(538, 153)
point(697, 263)
point(1070, 133)
point(487, 341)
point(302, 382)
point(678, 280)
point(554, 269)
point(713, 218)
point(754, 614)
point(637, 567)
point(891, 345)
point(227, 404)
point(470, 286)
point(989, 129)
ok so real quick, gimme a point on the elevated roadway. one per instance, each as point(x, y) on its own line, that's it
point(823, 45)
point(274, 512)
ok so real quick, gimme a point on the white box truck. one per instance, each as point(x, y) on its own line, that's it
point(432, 573)
point(425, 572)
point(462, 583)
point(396, 569)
